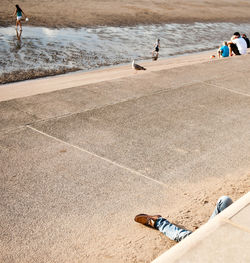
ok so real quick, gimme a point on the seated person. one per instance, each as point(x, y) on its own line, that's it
point(223, 50)
point(237, 45)
point(247, 40)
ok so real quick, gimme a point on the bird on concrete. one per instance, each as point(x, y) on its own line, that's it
point(137, 67)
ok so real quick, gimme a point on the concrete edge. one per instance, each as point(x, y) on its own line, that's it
point(37, 86)
point(177, 251)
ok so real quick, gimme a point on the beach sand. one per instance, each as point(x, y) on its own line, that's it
point(76, 13)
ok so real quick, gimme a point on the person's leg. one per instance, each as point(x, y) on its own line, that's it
point(20, 34)
point(176, 233)
point(233, 48)
point(17, 35)
point(163, 225)
point(20, 25)
point(219, 53)
point(230, 50)
point(170, 230)
point(222, 203)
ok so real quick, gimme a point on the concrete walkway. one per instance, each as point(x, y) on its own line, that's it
point(78, 164)
point(226, 238)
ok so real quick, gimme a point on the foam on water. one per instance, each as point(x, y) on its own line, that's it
point(44, 51)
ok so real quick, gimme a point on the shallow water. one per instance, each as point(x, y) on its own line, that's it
point(43, 51)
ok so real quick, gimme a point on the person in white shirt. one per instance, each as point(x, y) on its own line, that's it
point(237, 45)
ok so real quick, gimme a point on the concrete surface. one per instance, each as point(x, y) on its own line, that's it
point(77, 164)
point(44, 85)
point(226, 238)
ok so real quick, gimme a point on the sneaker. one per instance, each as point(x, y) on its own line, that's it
point(146, 220)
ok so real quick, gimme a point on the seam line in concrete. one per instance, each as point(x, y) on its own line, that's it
point(245, 229)
point(97, 156)
point(39, 119)
point(233, 91)
point(158, 92)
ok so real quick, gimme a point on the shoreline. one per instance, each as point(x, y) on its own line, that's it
point(20, 89)
point(56, 60)
point(132, 23)
point(40, 74)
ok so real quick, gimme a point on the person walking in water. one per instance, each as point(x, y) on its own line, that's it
point(156, 50)
point(19, 16)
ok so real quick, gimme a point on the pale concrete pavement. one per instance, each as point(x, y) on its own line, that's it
point(77, 164)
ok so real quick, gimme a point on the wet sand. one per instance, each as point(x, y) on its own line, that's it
point(76, 13)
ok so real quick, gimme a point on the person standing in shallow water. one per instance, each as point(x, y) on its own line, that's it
point(155, 52)
point(19, 16)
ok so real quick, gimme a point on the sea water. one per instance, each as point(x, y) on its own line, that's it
point(46, 51)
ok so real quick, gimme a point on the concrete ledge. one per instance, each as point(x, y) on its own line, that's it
point(48, 84)
point(225, 238)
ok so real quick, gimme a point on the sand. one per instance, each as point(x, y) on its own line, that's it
point(76, 13)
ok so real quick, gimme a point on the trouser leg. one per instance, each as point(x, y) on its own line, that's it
point(170, 230)
point(175, 233)
point(234, 49)
point(222, 203)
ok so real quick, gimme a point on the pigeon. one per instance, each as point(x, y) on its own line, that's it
point(137, 67)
